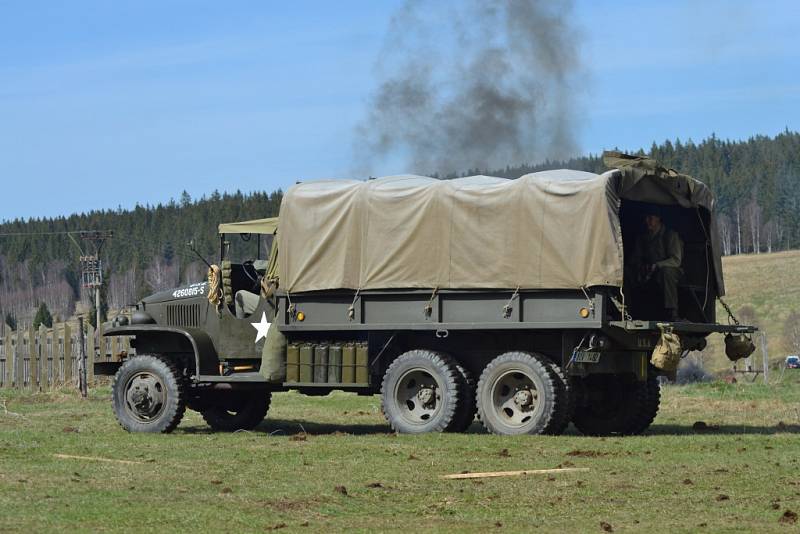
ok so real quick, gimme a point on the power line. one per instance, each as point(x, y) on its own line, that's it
point(62, 232)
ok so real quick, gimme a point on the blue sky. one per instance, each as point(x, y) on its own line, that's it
point(106, 104)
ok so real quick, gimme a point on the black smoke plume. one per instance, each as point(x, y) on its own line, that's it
point(475, 85)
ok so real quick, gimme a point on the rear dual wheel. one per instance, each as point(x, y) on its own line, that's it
point(518, 393)
point(427, 391)
point(523, 393)
point(617, 405)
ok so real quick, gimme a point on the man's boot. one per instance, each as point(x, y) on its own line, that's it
point(672, 315)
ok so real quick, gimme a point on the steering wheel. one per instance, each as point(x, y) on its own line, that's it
point(248, 268)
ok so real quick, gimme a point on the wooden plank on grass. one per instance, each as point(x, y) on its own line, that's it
point(491, 474)
point(97, 459)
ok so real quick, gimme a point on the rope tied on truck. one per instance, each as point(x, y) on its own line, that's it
point(428, 310)
point(507, 309)
point(351, 311)
point(215, 285)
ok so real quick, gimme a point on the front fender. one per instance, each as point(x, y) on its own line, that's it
point(165, 339)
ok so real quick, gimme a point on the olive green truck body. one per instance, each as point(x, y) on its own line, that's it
point(526, 359)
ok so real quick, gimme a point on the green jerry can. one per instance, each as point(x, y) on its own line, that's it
point(306, 363)
point(293, 363)
point(362, 363)
point(321, 363)
point(349, 364)
point(335, 364)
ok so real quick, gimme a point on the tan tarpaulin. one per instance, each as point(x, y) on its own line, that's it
point(545, 230)
point(552, 229)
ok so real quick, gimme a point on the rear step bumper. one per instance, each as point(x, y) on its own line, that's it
point(689, 327)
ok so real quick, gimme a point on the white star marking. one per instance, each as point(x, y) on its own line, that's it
point(262, 326)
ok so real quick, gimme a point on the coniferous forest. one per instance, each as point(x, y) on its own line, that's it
point(757, 184)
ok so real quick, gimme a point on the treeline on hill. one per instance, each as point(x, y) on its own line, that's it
point(757, 183)
point(147, 253)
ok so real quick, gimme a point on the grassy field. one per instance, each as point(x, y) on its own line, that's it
point(768, 283)
point(330, 463)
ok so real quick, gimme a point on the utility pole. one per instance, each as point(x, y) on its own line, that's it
point(92, 265)
point(92, 278)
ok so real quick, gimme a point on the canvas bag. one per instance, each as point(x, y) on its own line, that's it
point(667, 354)
point(738, 346)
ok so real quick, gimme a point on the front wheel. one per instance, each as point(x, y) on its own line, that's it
point(148, 395)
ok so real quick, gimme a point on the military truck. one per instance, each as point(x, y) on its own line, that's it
point(508, 299)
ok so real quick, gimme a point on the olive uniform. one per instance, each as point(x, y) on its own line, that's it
point(664, 249)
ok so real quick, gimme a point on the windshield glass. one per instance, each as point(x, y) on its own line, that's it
point(244, 247)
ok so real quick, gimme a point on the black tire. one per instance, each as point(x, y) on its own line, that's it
point(242, 412)
point(650, 401)
point(565, 407)
point(467, 407)
point(148, 395)
point(518, 394)
point(617, 405)
point(420, 392)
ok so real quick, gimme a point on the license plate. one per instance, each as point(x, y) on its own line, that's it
point(587, 357)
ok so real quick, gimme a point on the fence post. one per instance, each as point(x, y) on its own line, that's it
point(52, 363)
point(102, 353)
point(67, 350)
point(41, 356)
point(91, 351)
point(5, 351)
point(19, 360)
point(58, 352)
point(33, 368)
point(83, 358)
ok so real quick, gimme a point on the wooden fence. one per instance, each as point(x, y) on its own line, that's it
point(49, 357)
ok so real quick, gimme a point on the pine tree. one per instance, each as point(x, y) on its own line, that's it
point(42, 317)
point(11, 321)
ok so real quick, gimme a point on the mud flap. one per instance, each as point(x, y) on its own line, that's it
point(273, 356)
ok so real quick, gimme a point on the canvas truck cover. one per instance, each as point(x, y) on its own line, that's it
point(546, 230)
point(257, 226)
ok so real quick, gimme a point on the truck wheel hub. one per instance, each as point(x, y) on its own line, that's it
point(144, 396)
point(426, 395)
point(523, 398)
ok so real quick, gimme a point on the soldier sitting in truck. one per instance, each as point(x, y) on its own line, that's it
point(656, 262)
point(246, 300)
